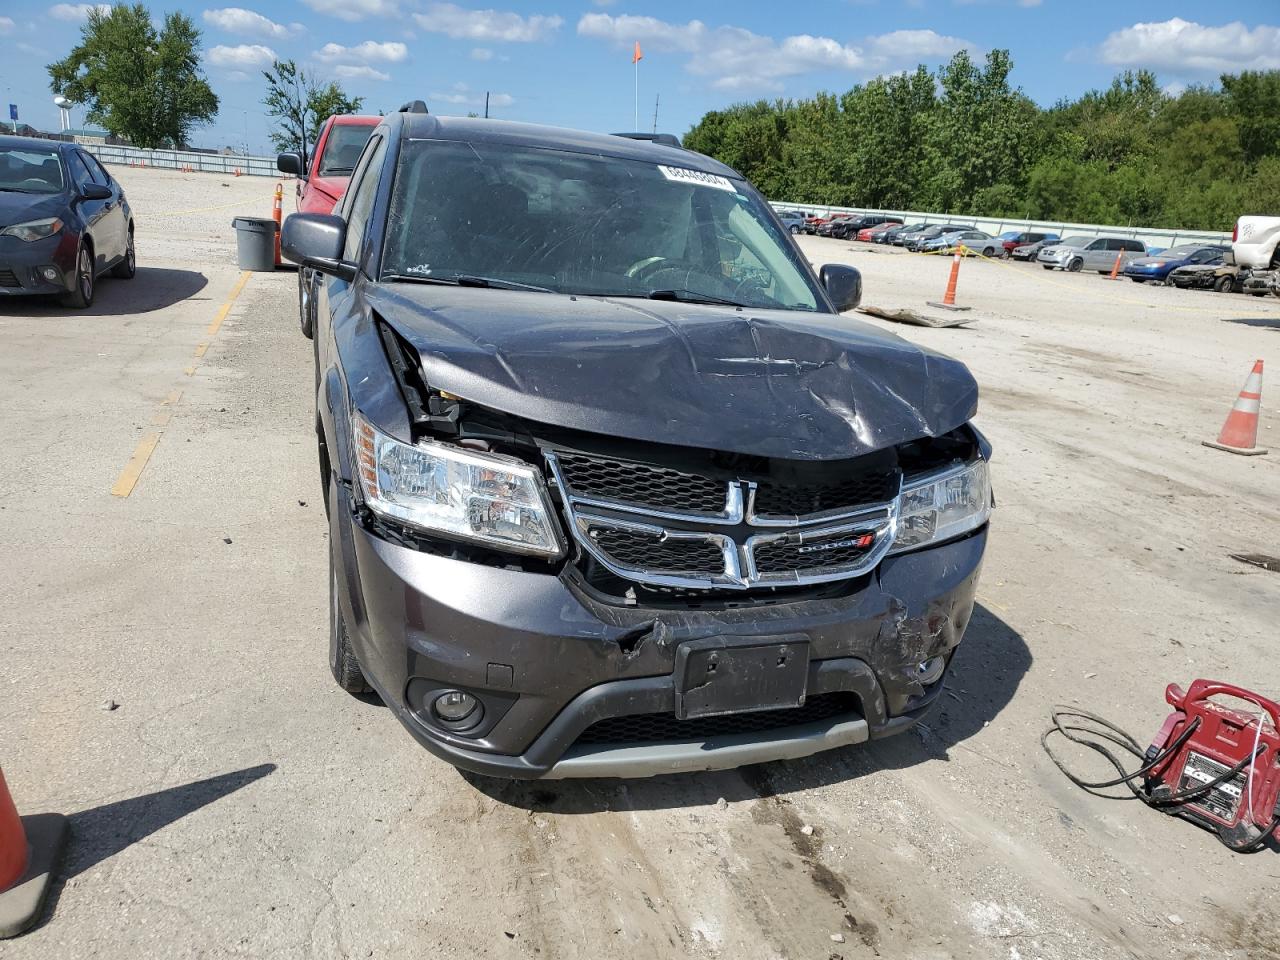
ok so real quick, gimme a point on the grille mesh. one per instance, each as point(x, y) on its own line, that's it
point(779, 556)
point(773, 499)
point(657, 727)
point(635, 549)
point(8, 278)
point(645, 484)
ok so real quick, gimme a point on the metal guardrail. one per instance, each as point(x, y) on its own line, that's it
point(177, 159)
point(1162, 237)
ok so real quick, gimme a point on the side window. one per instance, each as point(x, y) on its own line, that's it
point(95, 169)
point(1135, 246)
point(1097, 245)
point(79, 172)
point(361, 191)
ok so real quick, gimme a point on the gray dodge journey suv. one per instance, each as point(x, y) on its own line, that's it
point(613, 488)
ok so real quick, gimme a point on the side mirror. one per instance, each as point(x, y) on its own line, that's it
point(290, 163)
point(843, 285)
point(316, 240)
point(95, 191)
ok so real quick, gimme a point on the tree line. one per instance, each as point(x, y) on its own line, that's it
point(964, 141)
point(144, 82)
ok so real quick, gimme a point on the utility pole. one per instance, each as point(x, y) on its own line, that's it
point(486, 104)
point(656, 100)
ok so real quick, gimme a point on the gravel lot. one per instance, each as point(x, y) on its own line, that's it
point(235, 803)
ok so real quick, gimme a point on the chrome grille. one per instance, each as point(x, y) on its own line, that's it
point(728, 534)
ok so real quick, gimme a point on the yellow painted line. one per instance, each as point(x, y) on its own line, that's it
point(165, 413)
point(128, 478)
point(221, 315)
point(132, 471)
point(221, 206)
point(987, 602)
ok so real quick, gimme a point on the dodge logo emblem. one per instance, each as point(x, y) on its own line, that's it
point(860, 540)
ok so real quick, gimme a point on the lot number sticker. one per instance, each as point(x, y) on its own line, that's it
point(697, 178)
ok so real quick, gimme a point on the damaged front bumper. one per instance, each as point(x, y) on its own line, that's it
point(548, 661)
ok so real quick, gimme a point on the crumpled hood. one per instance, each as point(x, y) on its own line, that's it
point(774, 383)
point(22, 207)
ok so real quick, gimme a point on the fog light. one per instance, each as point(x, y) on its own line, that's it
point(51, 274)
point(930, 671)
point(455, 706)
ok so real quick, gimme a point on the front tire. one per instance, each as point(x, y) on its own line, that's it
point(795, 230)
point(1075, 265)
point(306, 317)
point(342, 659)
point(128, 267)
point(81, 296)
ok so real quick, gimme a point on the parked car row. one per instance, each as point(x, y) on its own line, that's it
point(1188, 265)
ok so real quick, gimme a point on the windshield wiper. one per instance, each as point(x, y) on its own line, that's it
point(690, 296)
point(465, 280)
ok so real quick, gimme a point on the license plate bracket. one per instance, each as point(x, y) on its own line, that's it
point(726, 674)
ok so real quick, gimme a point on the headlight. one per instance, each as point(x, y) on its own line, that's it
point(942, 506)
point(33, 230)
point(443, 489)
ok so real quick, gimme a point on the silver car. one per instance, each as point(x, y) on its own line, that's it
point(1090, 253)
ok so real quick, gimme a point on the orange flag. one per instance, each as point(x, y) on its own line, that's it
point(637, 56)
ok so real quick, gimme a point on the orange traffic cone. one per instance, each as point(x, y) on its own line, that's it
point(277, 214)
point(949, 298)
point(1115, 269)
point(30, 850)
point(237, 171)
point(1240, 432)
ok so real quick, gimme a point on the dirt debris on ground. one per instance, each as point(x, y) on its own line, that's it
point(238, 804)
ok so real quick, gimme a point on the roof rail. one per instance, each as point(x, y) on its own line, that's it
point(666, 139)
point(414, 106)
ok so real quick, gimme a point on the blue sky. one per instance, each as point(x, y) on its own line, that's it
point(569, 63)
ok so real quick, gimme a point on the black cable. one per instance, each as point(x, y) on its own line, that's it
point(1114, 734)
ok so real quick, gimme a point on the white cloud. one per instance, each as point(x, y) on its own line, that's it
point(241, 57)
point(249, 24)
point(460, 95)
point(738, 59)
point(76, 11)
point(6, 24)
point(1182, 47)
point(481, 53)
point(348, 71)
point(367, 52)
point(355, 9)
point(490, 25)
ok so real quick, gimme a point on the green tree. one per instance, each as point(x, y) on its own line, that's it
point(301, 105)
point(140, 84)
point(1253, 98)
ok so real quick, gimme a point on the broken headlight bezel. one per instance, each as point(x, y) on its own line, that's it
point(438, 488)
point(942, 506)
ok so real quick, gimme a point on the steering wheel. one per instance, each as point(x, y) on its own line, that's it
point(642, 269)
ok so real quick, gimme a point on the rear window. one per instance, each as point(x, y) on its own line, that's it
point(342, 149)
point(25, 170)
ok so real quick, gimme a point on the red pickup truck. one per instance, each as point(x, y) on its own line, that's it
point(322, 183)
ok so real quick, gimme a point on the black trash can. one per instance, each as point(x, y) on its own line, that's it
point(255, 243)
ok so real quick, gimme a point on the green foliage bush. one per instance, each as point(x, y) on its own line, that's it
point(963, 141)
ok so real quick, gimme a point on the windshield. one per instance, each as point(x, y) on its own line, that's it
point(1185, 250)
point(586, 224)
point(342, 149)
point(1076, 241)
point(30, 170)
